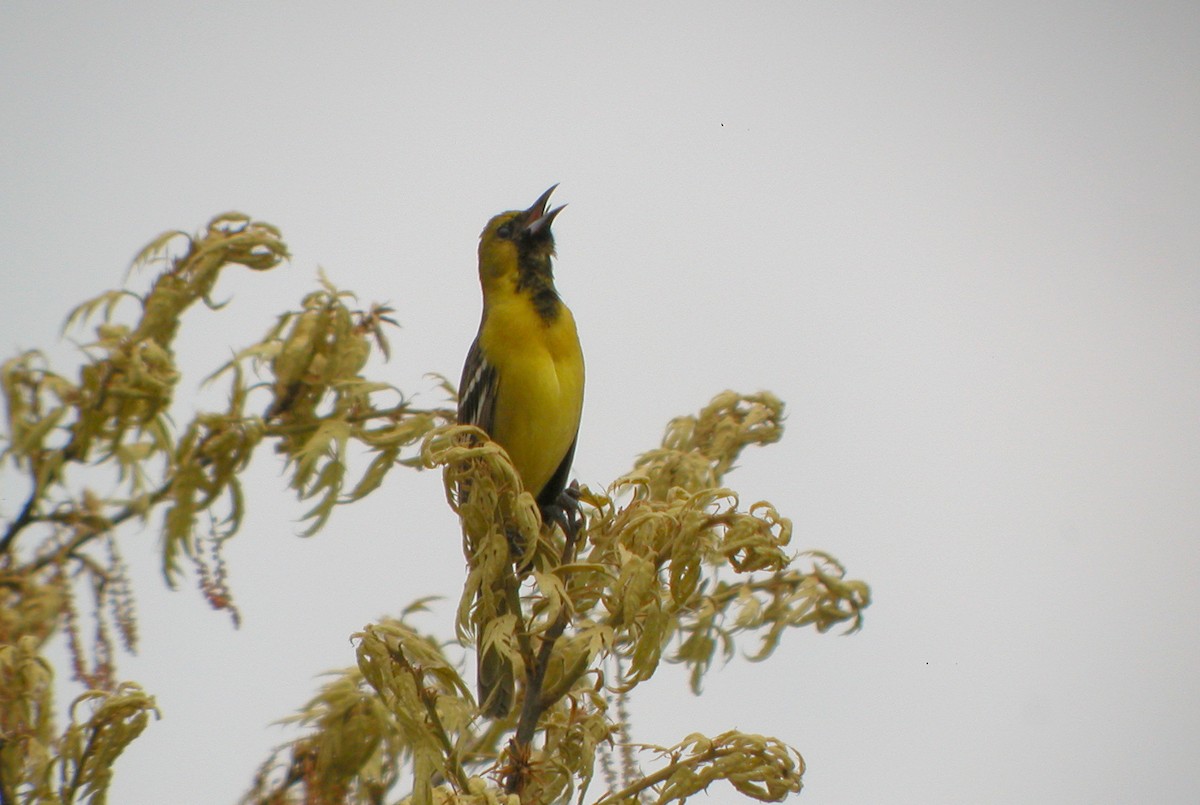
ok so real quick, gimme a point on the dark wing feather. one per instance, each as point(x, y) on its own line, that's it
point(477, 406)
point(558, 481)
point(477, 391)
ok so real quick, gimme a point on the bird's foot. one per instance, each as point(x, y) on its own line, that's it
point(566, 512)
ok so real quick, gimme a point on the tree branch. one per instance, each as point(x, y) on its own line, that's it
point(110, 523)
point(427, 699)
point(23, 519)
point(534, 704)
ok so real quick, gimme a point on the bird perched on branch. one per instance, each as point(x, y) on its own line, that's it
point(523, 379)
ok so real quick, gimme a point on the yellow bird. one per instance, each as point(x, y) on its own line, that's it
point(523, 379)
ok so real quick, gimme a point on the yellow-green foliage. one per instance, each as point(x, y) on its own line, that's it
point(667, 563)
point(88, 749)
point(669, 566)
point(60, 563)
point(643, 584)
point(39, 766)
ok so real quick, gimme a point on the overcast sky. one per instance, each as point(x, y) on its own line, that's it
point(960, 240)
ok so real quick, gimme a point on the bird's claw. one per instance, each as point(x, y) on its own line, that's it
point(565, 511)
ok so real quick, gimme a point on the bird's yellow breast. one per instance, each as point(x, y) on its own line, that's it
point(539, 397)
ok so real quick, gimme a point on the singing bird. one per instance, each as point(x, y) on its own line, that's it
point(523, 379)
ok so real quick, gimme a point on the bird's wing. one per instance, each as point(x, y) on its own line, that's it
point(477, 391)
point(558, 481)
point(477, 406)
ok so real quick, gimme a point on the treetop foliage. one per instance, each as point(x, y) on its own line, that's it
point(667, 563)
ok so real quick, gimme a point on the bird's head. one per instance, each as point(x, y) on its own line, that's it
point(519, 242)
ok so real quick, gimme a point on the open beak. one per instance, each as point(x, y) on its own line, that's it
point(537, 218)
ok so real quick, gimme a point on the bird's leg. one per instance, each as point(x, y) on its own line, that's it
point(566, 513)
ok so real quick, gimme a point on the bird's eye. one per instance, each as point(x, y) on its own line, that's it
point(505, 231)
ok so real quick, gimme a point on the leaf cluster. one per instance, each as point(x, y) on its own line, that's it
point(77, 765)
point(668, 566)
point(113, 424)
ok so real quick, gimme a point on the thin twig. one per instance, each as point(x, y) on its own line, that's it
point(77, 776)
point(568, 680)
point(633, 792)
point(110, 523)
point(393, 413)
point(453, 766)
point(23, 519)
point(5, 797)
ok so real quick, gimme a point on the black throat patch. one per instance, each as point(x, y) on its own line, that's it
point(536, 278)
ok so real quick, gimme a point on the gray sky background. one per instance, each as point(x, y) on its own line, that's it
point(960, 240)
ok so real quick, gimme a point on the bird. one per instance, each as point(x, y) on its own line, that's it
point(523, 379)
